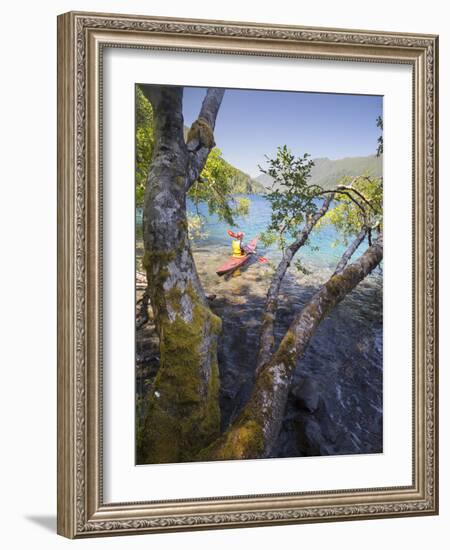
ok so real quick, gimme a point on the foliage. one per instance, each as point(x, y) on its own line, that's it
point(217, 184)
point(362, 205)
point(215, 187)
point(326, 172)
point(348, 216)
point(145, 141)
point(380, 139)
point(268, 237)
point(196, 227)
point(291, 197)
point(357, 203)
point(301, 267)
point(243, 183)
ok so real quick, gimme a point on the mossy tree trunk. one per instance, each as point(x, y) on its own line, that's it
point(256, 430)
point(183, 417)
point(183, 412)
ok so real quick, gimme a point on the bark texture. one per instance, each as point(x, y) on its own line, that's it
point(271, 306)
point(351, 250)
point(183, 413)
point(256, 429)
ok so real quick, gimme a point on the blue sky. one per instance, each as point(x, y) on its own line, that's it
point(252, 123)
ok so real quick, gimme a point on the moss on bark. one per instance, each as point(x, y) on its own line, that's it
point(183, 414)
point(245, 440)
point(247, 437)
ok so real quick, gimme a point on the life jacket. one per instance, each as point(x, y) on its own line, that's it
point(236, 248)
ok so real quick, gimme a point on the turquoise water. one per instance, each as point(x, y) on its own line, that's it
point(327, 239)
point(344, 358)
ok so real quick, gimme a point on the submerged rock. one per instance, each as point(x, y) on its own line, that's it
point(335, 406)
point(306, 394)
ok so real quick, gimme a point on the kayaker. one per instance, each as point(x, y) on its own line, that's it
point(236, 244)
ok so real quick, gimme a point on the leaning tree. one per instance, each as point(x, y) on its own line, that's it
point(297, 209)
point(183, 417)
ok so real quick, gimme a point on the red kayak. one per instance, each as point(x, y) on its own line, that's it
point(233, 263)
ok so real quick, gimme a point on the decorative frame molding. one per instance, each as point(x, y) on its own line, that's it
point(81, 37)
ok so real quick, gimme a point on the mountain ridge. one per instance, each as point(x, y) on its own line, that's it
point(327, 172)
point(242, 183)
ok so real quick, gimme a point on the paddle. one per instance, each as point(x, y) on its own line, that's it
point(261, 259)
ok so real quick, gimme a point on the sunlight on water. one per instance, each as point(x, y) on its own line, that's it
point(330, 247)
point(345, 356)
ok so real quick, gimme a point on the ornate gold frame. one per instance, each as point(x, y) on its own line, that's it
point(81, 37)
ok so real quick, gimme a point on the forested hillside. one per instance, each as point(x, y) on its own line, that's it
point(327, 172)
point(239, 182)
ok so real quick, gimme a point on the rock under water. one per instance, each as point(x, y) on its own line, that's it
point(336, 402)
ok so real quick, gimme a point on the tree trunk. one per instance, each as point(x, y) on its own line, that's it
point(350, 251)
point(256, 429)
point(183, 412)
point(266, 339)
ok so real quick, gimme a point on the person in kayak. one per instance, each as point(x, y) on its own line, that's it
point(237, 248)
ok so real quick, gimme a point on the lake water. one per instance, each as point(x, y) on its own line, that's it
point(343, 362)
point(257, 220)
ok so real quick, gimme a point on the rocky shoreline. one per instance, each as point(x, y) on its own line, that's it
point(335, 406)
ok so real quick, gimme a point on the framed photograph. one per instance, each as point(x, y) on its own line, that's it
point(247, 276)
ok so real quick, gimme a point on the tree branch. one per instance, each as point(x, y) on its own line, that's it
point(211, 105)
point(266, 339)
point(351, 250)
point(256, 429)
point(350, 188)
point(167, 104)
point(199, 154)
point(182, 411)
point(340, 191)
point(347, 189)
